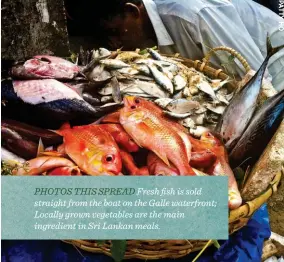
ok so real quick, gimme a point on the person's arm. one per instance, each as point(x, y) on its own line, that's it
point(222, 26)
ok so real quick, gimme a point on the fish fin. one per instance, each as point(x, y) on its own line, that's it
point(272, 50)
point(40, 148)
point(52, 154)
point(163, 157)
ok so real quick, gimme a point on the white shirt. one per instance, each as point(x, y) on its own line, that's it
point(192, 27)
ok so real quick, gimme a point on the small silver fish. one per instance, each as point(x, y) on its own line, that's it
point(116, 95)
point(143, 69)
point(154, 54)
point(99, 74)
point(152, 89)
point(216, 109)
point(179, 82)
point(113, 63)
point(128, 70)
point(182, 106)
point(162, 79)
point(10, 158)
point(218, 83)
point(106, 99)
point(206, 88)
point(198, 119)
point(100, 53)
point(188, 122)
point(163, 102)
point(176, 115)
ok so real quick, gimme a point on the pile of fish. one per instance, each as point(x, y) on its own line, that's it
point(142, 112)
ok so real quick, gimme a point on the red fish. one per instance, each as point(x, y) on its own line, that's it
point(92, 149)
point(221, 167)
point(39, 165)
point(65, 171)
point(150, 131)
point(129, 164)
point(45, 66)
point(158, 168)
point(121, 137)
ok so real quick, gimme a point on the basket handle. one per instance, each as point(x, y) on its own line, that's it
point(229, 50)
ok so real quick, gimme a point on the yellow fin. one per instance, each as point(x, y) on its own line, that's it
point(40, 148)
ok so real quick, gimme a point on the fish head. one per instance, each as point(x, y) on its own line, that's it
point(132, 112)
point(211, 138)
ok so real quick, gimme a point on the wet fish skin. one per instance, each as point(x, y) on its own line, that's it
point(177, 115)
point(221, 166)
point(260, 130)
point(64, 171)
point(113, 64)
point(115, 90)
point(150, 131)
point(182, 106)
point(50, 95)
point(162, 79)
point(92, 149)
point(121, 137)
point(45, 67)
point(157, 167)
point(91, 99)
point(15, 143)
point(32, 133)
point(238, 113)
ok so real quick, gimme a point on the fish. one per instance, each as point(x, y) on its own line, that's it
point(182, 106)
point(206, 88)
point(11, 158)
point(39, 165)
point(113, 63)
point(98, 74)
point(218, 83)
point(121, 137)
point(129, 164)
point(45, 67)
point(91, 99)
point(32, 133)
point(239, 112)
point(15, 143)
point(111, 118)
point(151, 89)
point(198, 131)
point(154, 54)
point(116, 95)
point(106, 99)
point(150, 131)
point(219, 110)
point(221, 166)
point(163, 102)
point(162, 79)
point(144, 69)
point(188, 122)
point(179, 82)
point(101, 53)
point(49, 95)
point(128, 71)
point(157, 167)
point(92, 148)
point(260, 130)
point(177, 115)
point(64, 171)
point(202, 159)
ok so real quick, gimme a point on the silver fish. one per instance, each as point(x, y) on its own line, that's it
point(100, 53)
point(188, 122)
point(182, 106)
point(179, 82)
point(152, 89)
point(239, 112)
point(115, 90)
point(206, 88)
point(10, 158)
point(216, 109)
point(161, 79)
point(143, 69)
point(218, 83)
point(154, 54)
point(176, 115)
point(106, 99)
point(99, 74)
point(163, 102)
point(128, 70)
point(178, 95)
point(198, 119)
point(113, 63)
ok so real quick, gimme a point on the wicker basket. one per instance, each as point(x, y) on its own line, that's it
point(158, 249)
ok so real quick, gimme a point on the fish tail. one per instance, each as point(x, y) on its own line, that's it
point(271, 50)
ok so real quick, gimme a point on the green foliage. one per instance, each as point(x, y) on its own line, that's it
point(8, 169)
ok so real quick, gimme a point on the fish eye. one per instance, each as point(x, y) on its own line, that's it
point(44, 59)
point(137, 101)
point(109, 158)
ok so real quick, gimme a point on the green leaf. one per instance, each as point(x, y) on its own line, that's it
point(117, 249)
point(231, 58)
